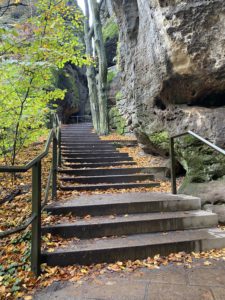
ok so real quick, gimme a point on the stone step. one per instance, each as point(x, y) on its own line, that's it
point(78, 127)
point(97, 159)
point(88, 151)
point(97, 155)
point(87, 143)
point(86, 252)
point(107, 226)
point(126, 203)
point(93, 187)
point(100, 164)
point(107, 179)
point(81, 141)
point(85, 135)
point(88, 147)
point(68, 132)
point(75, 140)
point(103, 172)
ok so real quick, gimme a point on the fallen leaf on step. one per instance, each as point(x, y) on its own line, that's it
point(207, 263)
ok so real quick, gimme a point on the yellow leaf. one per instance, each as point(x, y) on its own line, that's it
point(83, 271)
point(27, 297)
point(207, 263)
point(2, 289)
point(51, 250)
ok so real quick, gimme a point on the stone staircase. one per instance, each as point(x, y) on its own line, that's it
point(90, 163)
point(125, 225)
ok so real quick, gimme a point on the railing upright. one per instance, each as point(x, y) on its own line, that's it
point(173, 167)
point(54, 168)
point(36, 224)
point(59, 145)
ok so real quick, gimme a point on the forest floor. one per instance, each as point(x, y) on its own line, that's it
point(16, 279)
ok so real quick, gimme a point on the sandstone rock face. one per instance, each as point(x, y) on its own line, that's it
point(74, 80)
point(172, 59)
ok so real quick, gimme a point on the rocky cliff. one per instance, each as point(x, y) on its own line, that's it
point(172, 59)
point(73, 80)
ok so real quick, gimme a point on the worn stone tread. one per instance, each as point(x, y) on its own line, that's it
point(102, 186)
point(96, 227)
point(100, 164)
point(135, 246)
point(108, 178)
point(114, 171)
point(125, 203)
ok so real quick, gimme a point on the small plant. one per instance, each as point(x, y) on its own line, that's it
point(119, 96)
point(110, 76)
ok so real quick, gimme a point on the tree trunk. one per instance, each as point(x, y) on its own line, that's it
point(102, 67)
point(109, 7)
point(92, 84)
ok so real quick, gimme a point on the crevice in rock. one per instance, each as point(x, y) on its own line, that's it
point(158, 103)
point(213, 99)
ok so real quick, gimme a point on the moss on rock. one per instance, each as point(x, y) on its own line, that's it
point(201, 163)
point(110, 29)
point(119, 96)
point(116, 121)
point(111, 75)
point(160, 139)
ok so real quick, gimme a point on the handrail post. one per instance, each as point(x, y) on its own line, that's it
point(54, 168)
point(172, 167)
point(59, 147)
point(36, 225)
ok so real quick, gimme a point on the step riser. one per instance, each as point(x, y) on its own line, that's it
point(88, 151)
point(77, 139)
point(105, 172)
point(120, 179)
point(80, 166)
point(95, 160)
point(81, 148)
point(90, 145)
point(138, 227)
point(121, 254)
point(127, 208)
point(107, 186)
point(99, 155)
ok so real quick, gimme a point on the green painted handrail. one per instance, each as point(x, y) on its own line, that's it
point(172, 154)
point(54, 138)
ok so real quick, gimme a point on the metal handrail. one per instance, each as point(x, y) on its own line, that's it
point(172, 154)
point(37, 205)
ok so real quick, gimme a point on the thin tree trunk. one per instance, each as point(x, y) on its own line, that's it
point(92, 84)
point(102, 67)
point(110, 7)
